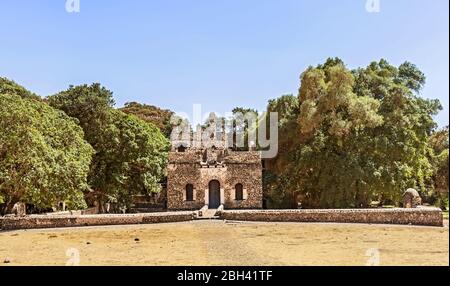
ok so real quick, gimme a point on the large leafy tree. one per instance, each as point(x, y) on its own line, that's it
point(278, 189)
point(152, 114)
point(44, 158)
point(355, 136)
point(8, 86)
point(91, 105)
point(130, 154)
point(131, 161)
point(400, 145)
point(439, 142)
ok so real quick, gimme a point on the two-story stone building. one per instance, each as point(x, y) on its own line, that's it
point(213, 175)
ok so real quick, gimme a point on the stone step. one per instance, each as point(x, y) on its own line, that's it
point(208, 214)
point(207, 218)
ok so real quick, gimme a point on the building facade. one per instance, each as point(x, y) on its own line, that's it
point(213, 175)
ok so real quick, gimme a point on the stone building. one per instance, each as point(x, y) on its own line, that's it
point(205, 171)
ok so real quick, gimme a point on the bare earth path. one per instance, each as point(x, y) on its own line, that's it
point(230, 243)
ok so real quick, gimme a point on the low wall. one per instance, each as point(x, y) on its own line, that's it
point(418, 216)
point(47, 221)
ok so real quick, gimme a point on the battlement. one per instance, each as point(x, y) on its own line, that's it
point(210, 156)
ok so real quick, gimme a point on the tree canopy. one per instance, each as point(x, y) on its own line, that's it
point(152, 114)
point(130, 154)
point(439, 142)
point(8, 86)
point(352, 136)
point(44, 158)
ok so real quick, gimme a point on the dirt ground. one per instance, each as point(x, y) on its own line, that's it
point(229, 243)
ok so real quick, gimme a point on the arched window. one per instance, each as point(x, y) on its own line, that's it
point(189, 192)
point(239, 192)
point(181, 149)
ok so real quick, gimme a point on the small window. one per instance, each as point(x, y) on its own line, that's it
point(189, 192)
point(239, 189)
point(181, 149)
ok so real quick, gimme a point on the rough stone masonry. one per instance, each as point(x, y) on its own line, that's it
point(235, 182)
point(53, 221)
point(418, 216)
point(213, 174)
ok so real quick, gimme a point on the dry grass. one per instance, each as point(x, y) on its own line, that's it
point(219, 243)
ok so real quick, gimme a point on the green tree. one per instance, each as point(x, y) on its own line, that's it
point(439, 143)
point(400, 145)
point(10, 87)
point(131, 162)
point(130, 154)
point(287, 108)
point(356, 136)
point(91, 105)
point(152, 114)
point(43, 156)
point(278, 189)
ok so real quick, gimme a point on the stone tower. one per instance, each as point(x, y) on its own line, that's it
point(205, 171)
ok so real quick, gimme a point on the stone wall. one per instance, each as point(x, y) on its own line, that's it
point(179, 175)
point(237, 168)
point(418, 216)
point(250, 176)
point(47, 221)
point(246, 157)
point(190, 156)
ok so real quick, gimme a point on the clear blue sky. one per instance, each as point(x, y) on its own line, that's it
point(220, 53)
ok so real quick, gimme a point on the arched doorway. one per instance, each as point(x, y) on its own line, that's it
point(214, 194)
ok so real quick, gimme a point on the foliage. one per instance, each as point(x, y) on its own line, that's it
point(439, 143)
point(10, 87)
point(130, 154)
point(43, 156)
point(133, 160)
point(241, 125)
point(152, 114)
point(352, 136)
point(90, 104)
point(244, 111)
point(287, 108)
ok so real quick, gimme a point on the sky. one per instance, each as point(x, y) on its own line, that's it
point(217, 53)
